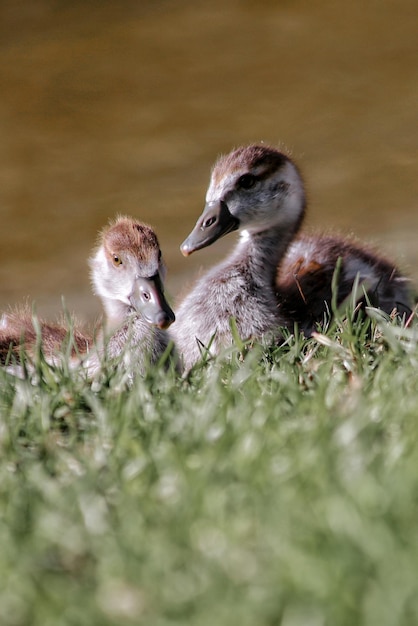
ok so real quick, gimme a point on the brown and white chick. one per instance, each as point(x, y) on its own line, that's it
point(127, 274)
point(271, 279)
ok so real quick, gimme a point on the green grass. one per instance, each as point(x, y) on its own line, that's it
point(274, 486)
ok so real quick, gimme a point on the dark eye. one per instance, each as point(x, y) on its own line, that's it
point(117, 260)
point(246, 181)
point(146, 296)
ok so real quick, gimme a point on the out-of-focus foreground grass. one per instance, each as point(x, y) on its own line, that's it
point(275, 486)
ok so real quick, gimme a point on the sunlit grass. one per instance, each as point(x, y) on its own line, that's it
point(273, 486)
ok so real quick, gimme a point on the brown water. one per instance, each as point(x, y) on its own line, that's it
point(122, 107)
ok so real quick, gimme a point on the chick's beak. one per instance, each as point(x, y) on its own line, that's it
point(215, 221)
point(148, 299)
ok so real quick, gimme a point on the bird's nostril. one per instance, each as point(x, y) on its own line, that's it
point(209, 221)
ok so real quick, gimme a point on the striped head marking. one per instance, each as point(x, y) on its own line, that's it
point(260, 186)
point(243, 167)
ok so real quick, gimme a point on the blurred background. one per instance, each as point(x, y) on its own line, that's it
point(119, 106)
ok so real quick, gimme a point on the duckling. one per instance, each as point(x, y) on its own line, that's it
point(127, 274)
point(271, 279)
point(19, 328)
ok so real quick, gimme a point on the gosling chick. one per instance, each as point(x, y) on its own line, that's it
point(127, 274)
point(269, 282)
